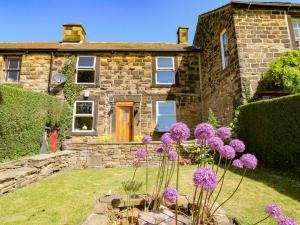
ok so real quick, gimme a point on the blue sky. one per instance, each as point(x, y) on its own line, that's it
point(104, 20)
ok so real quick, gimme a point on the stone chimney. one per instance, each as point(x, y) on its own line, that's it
point(74, 33)
point(183, 35)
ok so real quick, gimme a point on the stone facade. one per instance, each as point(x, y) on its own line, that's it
point(262, 36)
point(123, 77)
point(17, 174)
point(220, 87)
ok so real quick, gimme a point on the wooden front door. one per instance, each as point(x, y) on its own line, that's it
point(124, 121)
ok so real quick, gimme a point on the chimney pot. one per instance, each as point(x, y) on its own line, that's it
point(73, 33)
point(182, 35)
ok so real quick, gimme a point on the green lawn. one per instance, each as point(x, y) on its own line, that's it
point(67, 198)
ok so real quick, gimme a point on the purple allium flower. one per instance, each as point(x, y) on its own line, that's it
point(146, 139)
point(170, 194)
point(179, 132)
point(166, 140)
point(273, 210)
point(205, 178)
point(227, 152)
point(204, 131)
point(249, 161)
point(215, 143)
point(224, 133)
point(238, 163)
point(141, 154)
point(200, 141)
point(160, 149)
point(286, 221)
point(237, 145)
point(172, 155)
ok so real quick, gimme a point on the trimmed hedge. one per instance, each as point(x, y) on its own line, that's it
point(271, 130)
point(23, 117)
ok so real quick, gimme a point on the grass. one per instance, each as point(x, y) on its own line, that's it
point(68, 197)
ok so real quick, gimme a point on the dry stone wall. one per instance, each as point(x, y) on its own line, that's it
point(17, 174)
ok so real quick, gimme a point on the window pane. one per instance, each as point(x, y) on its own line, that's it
point(165, 63)
point(225, 39)
point(165, 77)
point(83, 123)
point(13, 63)
point(166, 108)
point(86, 61)
point(12, 75)
point(84, 107)
point(164, 123)
point(85, 76)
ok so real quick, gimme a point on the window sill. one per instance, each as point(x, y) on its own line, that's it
point(88, 85)
point(163, 85)
point(83, 133)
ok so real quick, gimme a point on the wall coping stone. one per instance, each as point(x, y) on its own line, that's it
point(41, 157)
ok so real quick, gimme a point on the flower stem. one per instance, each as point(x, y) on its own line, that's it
point(262, 220)
point(177, 182)
point(235, 190)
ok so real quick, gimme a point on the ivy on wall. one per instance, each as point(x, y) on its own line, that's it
point(71, 89)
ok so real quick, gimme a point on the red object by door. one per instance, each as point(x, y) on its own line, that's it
point(53, 140)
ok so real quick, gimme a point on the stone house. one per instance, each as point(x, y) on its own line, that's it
point(238, 41)
point(129, 88)
point(142, 88)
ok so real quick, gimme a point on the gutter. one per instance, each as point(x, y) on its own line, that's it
point(50, 72)
point(97, 50)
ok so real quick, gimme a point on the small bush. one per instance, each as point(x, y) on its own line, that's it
point(23, 117)
point(271, 129)
point(285, 72)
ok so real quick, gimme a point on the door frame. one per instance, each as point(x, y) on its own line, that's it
point(125, 104)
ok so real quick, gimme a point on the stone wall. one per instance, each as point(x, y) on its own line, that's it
point(220, 87)
point(92, 153)
point(129, 77)
point(17, 174)
point(262, 36)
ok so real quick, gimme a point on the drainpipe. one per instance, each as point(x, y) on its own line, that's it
point(201, 86)
point(50, 72)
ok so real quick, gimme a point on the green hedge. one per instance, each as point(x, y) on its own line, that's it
point(271, 130)
point(23, 116)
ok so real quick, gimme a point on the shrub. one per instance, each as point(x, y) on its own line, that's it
point(23, 117)
point(271, 129)
point(285, 72)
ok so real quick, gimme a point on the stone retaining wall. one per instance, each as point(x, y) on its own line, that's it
point(17, 174)
point(92, 153)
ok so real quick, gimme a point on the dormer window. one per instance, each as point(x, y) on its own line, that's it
point(85, 70)
point(224, 49)
point(165, 71)
point(13, 65)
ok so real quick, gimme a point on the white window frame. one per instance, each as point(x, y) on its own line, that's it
point(166, 115)
point(166, 69)
point(297, 40)
point(224, 66)
point(83, 115)
point(86, 68)
point(8, 69)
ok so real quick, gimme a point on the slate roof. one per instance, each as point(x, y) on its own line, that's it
point(94, 46)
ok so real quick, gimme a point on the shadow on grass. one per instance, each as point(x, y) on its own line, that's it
point(285, 183)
